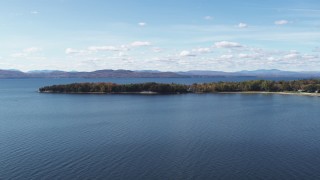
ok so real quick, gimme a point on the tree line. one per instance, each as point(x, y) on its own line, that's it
point(309, 85)
point(116, 88)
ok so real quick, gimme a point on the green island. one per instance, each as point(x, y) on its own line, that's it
point(299, 87)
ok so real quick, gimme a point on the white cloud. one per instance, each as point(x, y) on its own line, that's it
point(186, 53)
point(291, 56)
point(31, 50)
point(202, 50)
point(242, 25)
point(72, 51)
point(140, 43)
point(227, 44)
point(103, 48)
point(208, 18)
point(226, 56)
point(156, 49)
point(310, 57)
point(34, 12)
point(244, 56)
point(297, 56)
point(142, 24)
point(95, 49)
point(271, 58)
point(251, 56)
point(281, 22)
point(26, 52)
point(120, 54)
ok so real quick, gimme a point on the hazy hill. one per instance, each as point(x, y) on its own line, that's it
point(94, 74)
point(152, 74)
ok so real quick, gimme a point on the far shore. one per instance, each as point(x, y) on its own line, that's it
point(281, 93)
point(307, 87)
point(155, 93)
point(143, 92)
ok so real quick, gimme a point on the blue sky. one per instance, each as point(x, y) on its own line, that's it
point(164, 35)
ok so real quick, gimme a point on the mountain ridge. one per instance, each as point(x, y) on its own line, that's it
point(121, 73)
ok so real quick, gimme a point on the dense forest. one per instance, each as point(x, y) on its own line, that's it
point(310, 85)
point(117, 88)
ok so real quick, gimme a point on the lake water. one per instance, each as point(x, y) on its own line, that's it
point(191, 136)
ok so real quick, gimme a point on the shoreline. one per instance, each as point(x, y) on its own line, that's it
point(280, 93)
point(143, 92)
point(155, 93)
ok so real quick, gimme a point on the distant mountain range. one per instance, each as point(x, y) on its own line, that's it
point(152, 74)
point(255, 73)
point(93, 74)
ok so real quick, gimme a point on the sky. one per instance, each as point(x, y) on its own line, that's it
point(166, 35)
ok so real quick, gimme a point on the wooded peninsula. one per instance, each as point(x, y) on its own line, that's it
point(296, 86)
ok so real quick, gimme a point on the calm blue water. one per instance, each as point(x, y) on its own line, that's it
point(193, 136)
